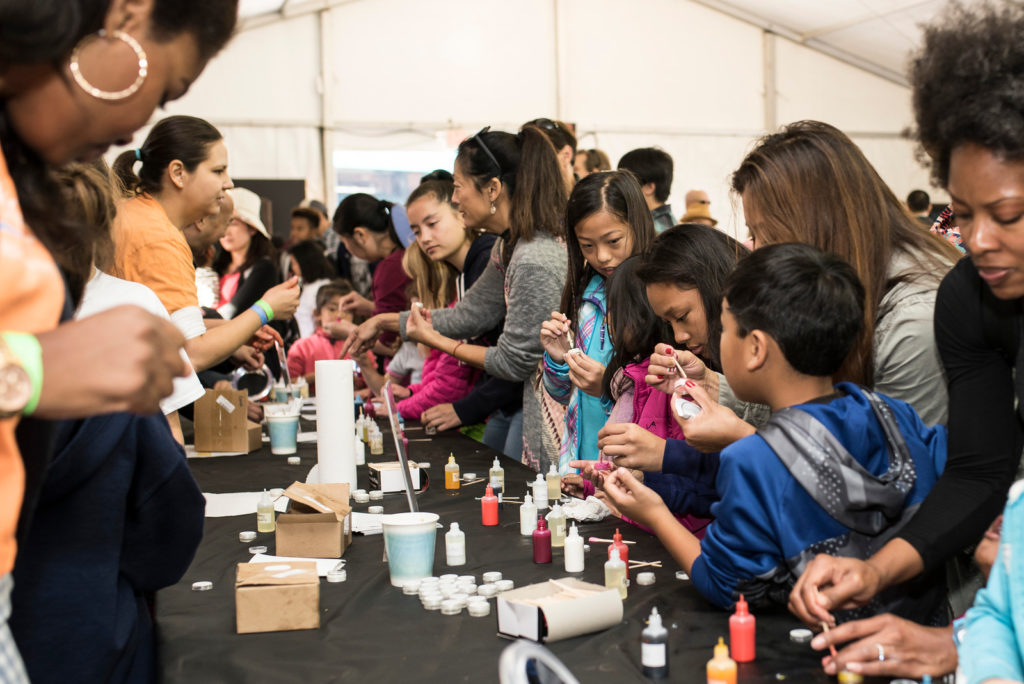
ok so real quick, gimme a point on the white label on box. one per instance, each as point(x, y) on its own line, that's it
point(652, 655)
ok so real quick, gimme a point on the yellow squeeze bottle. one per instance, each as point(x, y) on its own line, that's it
point(554, 481)
point(265, 513)
point(721, 668)
point(451, 474)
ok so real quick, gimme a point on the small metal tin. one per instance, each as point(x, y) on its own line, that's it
point(375, 510)
point(376, 495)
point(479, 609)
point(466, 578)
point(645, 579)
point(450, 577)
point(586, 547)
point(468, 589)
point(424, 465)
point(433, 603)
point(360, 496)
point(504, 585)
point(486, 590)
point(411, 588)
point(801, 635)
point(680, 575)
point(335, 576)
point(294, 460)
point(257, 549)
point(491, 577)
point(202, 585)
point(469, 476)
point(451, 607)
point(246, 536)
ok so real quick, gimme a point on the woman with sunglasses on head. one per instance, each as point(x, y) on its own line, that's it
point(75, 77)
point(511, 186)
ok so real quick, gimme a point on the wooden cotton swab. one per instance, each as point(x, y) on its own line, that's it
point(831, 647)
point(608, 541)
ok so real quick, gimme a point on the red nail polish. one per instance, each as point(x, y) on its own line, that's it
point(690, 383)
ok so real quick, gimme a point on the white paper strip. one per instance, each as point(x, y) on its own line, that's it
point(335, 422)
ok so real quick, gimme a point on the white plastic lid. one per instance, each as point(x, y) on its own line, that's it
point(496, 465)
point(800, 635)
point(454, 527)
point(527, 500)
point(573, 532)
point(202, 585)
point(553, 469)
point(613, 553)
point(654, 620)
point(540, 479)
point(645, 579)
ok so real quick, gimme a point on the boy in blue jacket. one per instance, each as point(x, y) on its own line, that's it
point(837, 469)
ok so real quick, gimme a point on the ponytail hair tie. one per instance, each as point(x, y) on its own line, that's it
point(138, 153)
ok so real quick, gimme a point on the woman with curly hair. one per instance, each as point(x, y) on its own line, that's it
point(969, 105)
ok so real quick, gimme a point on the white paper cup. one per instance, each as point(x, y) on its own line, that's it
point(409, 539)
point(284, 431)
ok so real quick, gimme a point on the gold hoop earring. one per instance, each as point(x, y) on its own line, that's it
point(110, 96)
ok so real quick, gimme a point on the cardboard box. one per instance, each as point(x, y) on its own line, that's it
point(558, 609)
point(387, 477)
point(221, 423)
point(276, 597)
point(318, 524)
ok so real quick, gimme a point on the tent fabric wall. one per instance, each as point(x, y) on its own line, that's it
point(401, 73)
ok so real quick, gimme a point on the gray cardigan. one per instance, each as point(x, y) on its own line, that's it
point(906, 360)
point(525, 293)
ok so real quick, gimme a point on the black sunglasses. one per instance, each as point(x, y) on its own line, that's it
point(479, 138)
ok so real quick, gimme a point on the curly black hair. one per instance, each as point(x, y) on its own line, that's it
point(968, 83)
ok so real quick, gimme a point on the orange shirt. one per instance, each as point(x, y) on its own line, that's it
point(31, 299)
point(151, 250)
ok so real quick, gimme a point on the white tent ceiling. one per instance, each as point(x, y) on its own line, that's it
point(305, 81)
point(875, 35)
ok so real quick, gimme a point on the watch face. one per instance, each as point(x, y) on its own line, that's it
point(15, 389)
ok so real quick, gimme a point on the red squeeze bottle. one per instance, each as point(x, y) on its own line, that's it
point(623, 549)
point(542, 542)
point(489, 508)
point(741, 633)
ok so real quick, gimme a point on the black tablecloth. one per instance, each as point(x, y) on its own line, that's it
point(370, 631)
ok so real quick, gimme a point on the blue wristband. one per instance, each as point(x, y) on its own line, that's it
point(261, 313)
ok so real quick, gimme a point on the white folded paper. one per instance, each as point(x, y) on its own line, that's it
point(237, 503)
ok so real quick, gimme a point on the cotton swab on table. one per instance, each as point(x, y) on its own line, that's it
point(608, 541)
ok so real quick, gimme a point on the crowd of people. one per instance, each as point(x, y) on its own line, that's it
point(825, 416)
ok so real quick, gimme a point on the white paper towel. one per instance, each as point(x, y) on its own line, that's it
point(335, 422)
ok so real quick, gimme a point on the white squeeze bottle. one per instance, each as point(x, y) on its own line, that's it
point(573, 550)
point(540, 492)
point(455, 545)
point(527, 516)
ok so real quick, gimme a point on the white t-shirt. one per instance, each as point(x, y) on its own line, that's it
point(105, 292)
point(307, 305)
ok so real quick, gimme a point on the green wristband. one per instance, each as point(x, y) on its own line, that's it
point(26, 347)
point(266, 309)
